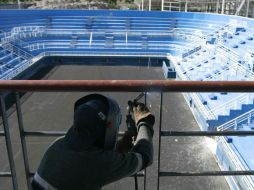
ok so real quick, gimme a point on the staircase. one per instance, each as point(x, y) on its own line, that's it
point(214, 123)
point(144, 39)
point(109, 40)
point(89, 23)
point(74, 40)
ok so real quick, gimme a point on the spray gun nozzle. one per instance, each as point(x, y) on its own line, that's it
point(139, 97)
point(131, 103)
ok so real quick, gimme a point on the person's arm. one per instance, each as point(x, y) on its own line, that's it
point(144, 145)
point(144, 122)
point(121, 165)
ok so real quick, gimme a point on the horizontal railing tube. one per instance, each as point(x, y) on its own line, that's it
point(44, 133)
point(1, 133)
point(207, 173)
point(5, 174)
point(126, 85)
point(207, 133)
point(52, 133)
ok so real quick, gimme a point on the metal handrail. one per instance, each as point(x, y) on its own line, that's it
point(17, 51)
point(127, 85)
point(237, 161)
point(26, 64)
point(229, 104)
point(233, 123)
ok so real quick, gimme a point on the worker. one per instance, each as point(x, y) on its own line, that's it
point(89, 155)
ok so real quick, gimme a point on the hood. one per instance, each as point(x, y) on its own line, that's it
point(88, 130)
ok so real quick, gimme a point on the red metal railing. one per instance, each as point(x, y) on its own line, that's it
point(126, 85)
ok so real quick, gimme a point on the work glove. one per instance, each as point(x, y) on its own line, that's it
point(142, 115)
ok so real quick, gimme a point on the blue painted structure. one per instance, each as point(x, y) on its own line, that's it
point(196, 46)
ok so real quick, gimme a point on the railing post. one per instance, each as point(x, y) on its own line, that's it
point(247, 8)
point(145, 168)
point(8, 143)
point(159, 149)
point(23, 140)
point(222, 6)
point(186, 6)
point(150, 5)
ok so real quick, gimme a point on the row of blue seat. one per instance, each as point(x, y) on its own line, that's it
point(217, 64)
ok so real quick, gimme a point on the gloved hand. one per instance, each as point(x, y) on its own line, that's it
point(142, 115)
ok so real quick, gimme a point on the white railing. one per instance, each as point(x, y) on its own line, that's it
point(238, 163)
point(234, 103)
point(22, 67)
point(27, 29)
point(194, 50)
point(232, 124)
point(197, 99)
point(104, 54)
point(17, 51)
point(234, 57)
point(22, 32)
point(165, 69)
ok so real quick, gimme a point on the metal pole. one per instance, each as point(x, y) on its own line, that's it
point(162, 5)
point(240, 7)
point(145, 168)
point(142, 5)
point(19, 4)
point(159, 150)
point(223, 7)
point(8, 143)
point(247, 9)
point(208, 173)
point(186, 6)
point(217, 6)
point(125, 86)
point(150, 5)
point(136, 182)
point(206, 133)
point(5, 174)
point(23, 140)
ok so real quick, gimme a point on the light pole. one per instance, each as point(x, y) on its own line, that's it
point(150, 5)
point(19, 3)
point(223, 7)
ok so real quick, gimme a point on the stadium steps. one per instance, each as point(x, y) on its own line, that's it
point(74, 41)
point(89, 23)
point(144, 39)
point(128, 24)
point(109, 40)
point(232, 114)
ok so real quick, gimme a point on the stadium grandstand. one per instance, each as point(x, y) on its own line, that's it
point(169, 45)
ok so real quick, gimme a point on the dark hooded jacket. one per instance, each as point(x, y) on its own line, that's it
point(77, 161)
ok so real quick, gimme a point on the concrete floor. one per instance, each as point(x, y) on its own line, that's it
point(54, 111)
